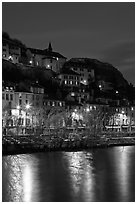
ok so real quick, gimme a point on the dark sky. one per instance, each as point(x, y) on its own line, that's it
point(105, 31)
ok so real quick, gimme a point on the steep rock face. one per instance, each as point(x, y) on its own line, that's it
point(103, 71)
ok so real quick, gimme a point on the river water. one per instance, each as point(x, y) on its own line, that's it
point(94, 175)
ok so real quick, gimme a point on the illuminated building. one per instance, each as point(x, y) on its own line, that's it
point(79, 65)
point(11, 50)
point(46, 58)
point(122, 118)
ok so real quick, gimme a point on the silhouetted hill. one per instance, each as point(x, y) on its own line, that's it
point(103, 71)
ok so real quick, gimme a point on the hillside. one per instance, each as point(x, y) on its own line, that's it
point(103, 71)
point(20, 74)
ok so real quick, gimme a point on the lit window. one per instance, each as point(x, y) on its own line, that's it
point(72, 94)
point(65, 82)
point(87, 109)
point(76, 83)
point(60, 104)
point(48, 65)
point(70, 82)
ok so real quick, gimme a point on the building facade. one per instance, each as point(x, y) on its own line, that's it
point(46, 58)
point(10, 50)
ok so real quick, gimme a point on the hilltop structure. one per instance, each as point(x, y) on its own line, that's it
point(38, 79)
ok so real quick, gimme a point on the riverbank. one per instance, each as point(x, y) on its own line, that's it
point(29, 144)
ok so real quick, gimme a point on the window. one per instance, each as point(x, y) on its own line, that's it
point(50, 60)
point(7, 96)
point(70, 82)
point(37, 97)
point(11, 97)
point(26, 101)
point(27, 121)
point(3, 96)
point(20, 101)
point(20, 121)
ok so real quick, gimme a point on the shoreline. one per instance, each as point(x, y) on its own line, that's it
point(62, 144)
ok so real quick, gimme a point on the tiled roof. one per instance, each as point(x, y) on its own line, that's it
point(36, 51)
point(46, 53)
point(69, 72)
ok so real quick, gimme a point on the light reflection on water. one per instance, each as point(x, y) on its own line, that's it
point(98, 175)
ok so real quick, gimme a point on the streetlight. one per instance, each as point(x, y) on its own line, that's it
point(27, 106)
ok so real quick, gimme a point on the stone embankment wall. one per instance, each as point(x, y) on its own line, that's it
point(29, 144)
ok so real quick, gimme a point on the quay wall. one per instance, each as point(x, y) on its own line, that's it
point(30, 144)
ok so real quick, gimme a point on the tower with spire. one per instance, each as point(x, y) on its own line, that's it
point(49, 47)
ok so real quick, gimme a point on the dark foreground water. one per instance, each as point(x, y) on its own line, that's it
point(96, 175)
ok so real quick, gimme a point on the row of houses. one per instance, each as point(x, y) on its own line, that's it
point(20, 104)
point(31, 109)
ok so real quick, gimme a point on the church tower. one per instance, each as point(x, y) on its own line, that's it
point(49, 47)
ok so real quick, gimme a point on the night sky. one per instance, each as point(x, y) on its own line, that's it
point(104, 31)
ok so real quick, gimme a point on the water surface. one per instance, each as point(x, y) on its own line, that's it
point(97, 175)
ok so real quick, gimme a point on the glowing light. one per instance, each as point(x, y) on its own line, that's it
point(132, 108)
point(116, 92)
point(122, 112)
point(87, 109)
point(30, 61)
point(18, 107)
point(72, 94)
point(48, 65)
point(27, 106)
point(65, 82)
point(70, 82)
point(57, 58)
point(10, 57)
